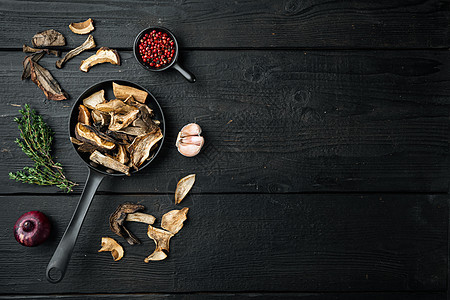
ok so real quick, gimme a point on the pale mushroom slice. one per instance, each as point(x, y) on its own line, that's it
point(141, 217)
point(84, 116)
point(86, 133)
point(82, 27)
point(76, 141)
point(174, 219)
point(103, 55)
point(109, 162)
point(183, 187)
point(122, 92)
point(119, 121)
point(100, 117)
point(93, 100)
point(161, 239)
point(109, 244)
point(141, 147)
point(121, 155)
point(116, 106)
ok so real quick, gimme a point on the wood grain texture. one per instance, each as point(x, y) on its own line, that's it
point(288, 23)
point(255, 295)
point(274, 122)
point(243, 243)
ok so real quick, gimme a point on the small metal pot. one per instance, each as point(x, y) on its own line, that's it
point(58, 264)
point(173, 64)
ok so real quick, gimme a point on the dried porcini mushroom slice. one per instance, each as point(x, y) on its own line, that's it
point(89, 43)
point(93, 100)
point(45, 81)
point(121, 155)
point(82, 27)
point(27, 63)
point(109, 162)
point(76, 141)
point(28, 49)
point(119, 121)
point(161, 239)
point(141, 147)
point(141, 217)
point(183, 187)
point(88, 134)
point(122, 92)
point(189, 141)
point(118, 218)
point(49, 37)
point(174, 219)
point(116, 106)
point(84, 116)
point(103, 55)
point(109, 244)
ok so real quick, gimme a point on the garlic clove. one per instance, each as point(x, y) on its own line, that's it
point(194, 140)
point(191, 129)
point(189, 150)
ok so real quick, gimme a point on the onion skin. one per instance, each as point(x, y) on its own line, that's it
point(32, 229)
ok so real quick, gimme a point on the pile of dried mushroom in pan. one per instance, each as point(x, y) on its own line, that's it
point(118, 134)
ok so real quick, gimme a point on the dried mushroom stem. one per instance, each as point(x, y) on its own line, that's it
point(109, 244)
point(109, 162)
point(141, 217)
point(89, 43)
point(28, 49)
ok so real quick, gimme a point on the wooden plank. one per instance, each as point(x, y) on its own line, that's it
point(303, 296)
point(278, 122)
point(289, 23)
point(239, 243)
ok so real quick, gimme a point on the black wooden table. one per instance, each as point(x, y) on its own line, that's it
point(325, 173)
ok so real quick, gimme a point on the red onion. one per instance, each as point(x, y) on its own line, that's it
point(32, 229)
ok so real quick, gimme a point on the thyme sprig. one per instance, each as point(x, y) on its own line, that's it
point(36, 143)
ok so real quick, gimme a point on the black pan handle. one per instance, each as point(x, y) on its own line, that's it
point(58, 264)
point(186, 74)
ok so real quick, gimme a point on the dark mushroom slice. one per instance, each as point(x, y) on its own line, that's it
point(89, 43)
point(76, 141)
point(118, 218)
point(49, 37)
point(109, 162)
point(88, 134)
point(125, 139)
point(27, 65)
point(45, 81)
point(28, 49)
point(141, 146)
point(122, 92)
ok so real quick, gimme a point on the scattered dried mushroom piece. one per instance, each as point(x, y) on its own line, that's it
point(28, 49)
point(103, 55)
point(27, 63)
point(118, 218)
point(141, 217)
point(49, 37)
point(89, 43)
point(161, 239)
point(183, 187)
point(82, 27)
point(109, 244)
point(45, 81)
point(174, 219)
